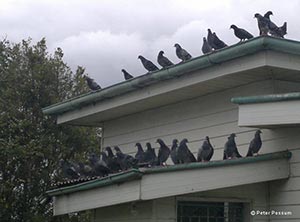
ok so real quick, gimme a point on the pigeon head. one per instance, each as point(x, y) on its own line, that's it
point(258, 132)
point(117, 149)
point(139, 146)
point(267, 15)
point(207, 138)
point(233, 27)
point(141, 57)
point(175, 141)
point(184, 141)
point(161, 53)
point(177, 46)
point(123, 70)
point(232, 135)
point(209, 31)
point(109, 151)
point(148, 145)
point(160, 141)
point(257, 15)
point(204, 39)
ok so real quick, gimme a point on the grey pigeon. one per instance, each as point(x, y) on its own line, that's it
point(148, 64)
point(271, 25)
point(126, 161)
point(273, 28)
point(140, 154)
point(112, 161)
point(99, 166)
point(150, 156)
point(163, 61)
point(206, 48)
point(182, 53)
point(230, 149)
point(219, 44)
point(206, 151)
point(68, 170)
point(91, 83)
point(163, 152)
point(173, 153)
point(263, 24)
point(184, 155)
point(85, 170)
point(211, 39)
point(242, 34)
point(126, 74)
point(255, 144)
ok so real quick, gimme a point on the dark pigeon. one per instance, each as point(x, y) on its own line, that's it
point(271, 25)
point(126, 75)
point(182, 53)
point(255, 144)
point(112, 162)
point(148, 64)
point(68, 170)
point(163, 61)
point(140, 154)
point(230, 149)
point(242, 34)
point(126, 161)
point(150, 156)
point(184, 155)
point(263, 24)
point(173, 153)
point(163, 152)
point(211, 39)
point(91, 83)
point(219, 44)
point(99, 166)
point(206, 48)
point(206, 151)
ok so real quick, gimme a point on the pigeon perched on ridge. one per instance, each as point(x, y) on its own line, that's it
point(230, 149)
point(173, 152)
point(263, 24)
point(219, 44)
point(148, 64)
point(150, 156)
point(126, 74)
point(206, 48)
point(112, 162)
point(163, 152)
point(163, 61)
point(206, 151)
point(126, 160)
point(281, 31)
point(184, 155)
point(68, 170)
point(140, 154)
point(182, 53)
point(91, 83)
point(255, 144)
point(210, 39)
point(99, 166)
point(242, 34)
point(271, 25)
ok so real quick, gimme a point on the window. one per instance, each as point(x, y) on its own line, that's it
point(194, 211)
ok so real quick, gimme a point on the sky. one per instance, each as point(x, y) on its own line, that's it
point(105, 36)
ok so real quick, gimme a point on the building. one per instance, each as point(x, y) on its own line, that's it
point(250, 85)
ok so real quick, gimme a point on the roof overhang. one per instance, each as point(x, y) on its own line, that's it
point(258, 59)
point(153, 183)
point(268, 111)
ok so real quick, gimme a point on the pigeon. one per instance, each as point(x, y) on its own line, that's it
point(255, 144)
point(85, 170)
point(99, 165)
point(182, 53)
point(112, 162)
point(206, 48)
point(163, 61)
point(219, 44)
point(91, 83)
point(263, 24)
point(150, 156)
point(173, 153)
point(126, 75)
point(126, 161)
point(230, 149)
point(211, 39)
point(184, 155)
point(206, 151)
point(140, 154)
point(68, 170)
point(148, 64)
point(281, 31)
point(271, 25)
point(242, 34)
point(163, 152)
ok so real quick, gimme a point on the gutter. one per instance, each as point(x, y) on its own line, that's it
point(238, 50)
point(266, 98)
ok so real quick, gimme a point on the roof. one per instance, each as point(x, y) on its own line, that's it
point(134, 174)
point(219, 56)
point(266, 98)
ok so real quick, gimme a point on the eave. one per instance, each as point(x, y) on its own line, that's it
point(147, 184)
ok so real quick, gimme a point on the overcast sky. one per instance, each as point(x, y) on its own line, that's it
point(105, 36)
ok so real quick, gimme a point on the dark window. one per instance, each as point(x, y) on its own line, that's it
point(192, 211)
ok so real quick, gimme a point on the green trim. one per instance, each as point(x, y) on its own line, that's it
point(266, 98)
point(113, 179)
point(137, 174)
point(238, 50)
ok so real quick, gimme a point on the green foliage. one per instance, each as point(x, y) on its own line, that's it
point(31, 144)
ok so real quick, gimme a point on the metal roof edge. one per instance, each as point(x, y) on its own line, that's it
point(203, 61)
point(266, 98)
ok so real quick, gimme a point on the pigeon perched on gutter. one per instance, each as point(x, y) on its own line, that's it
point(148, 64)
point(163, 61)
point(230, 149)
point(255, 144)
point(112, 161)
point(182, 53)
point(206, 48)
point(140, 154)
point(173, 152)
point(163, 152)
point(150, 156)
point(126, 75)
point(126, 161)
point(184, 155)
point(219, 44)
point(206, 151)
point(210, 39)
point(99, 166)
point(263, 24)
point(91, 83)
point(242, 34)
point(68, 170)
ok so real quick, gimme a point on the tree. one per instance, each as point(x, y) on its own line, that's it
point(31, 143)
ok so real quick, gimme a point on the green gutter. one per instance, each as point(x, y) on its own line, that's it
point(238, 50)
point(266, 98)
point(113, 179)
point(137, 174)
